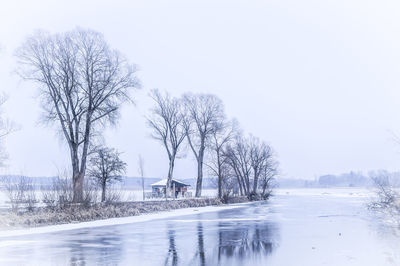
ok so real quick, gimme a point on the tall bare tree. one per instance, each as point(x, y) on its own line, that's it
point(82, 84)
point(106, 167)
point(204, 115)
point(260, 154)
point(267, 177)
point(218, 161)
point(6, 127)
point(238, 154)
point(166, 122)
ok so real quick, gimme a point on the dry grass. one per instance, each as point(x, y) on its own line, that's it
point(70, 214)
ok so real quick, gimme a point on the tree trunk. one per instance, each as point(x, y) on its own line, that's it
point(240, 186)
point(220, 186)
point(255, 183)
point(78, 188)
point(78, 182)
point(199, 174)
point(245, 186)
point(77, 178)
point(170, 175)
point(264, 188)
point(144, 195)
point(219, 175)
point(103, 192)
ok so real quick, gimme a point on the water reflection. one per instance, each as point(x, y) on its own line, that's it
point(77, 256)
point(244, 240)
point(242, 236)
point(101, 247)
point(172, 256)
point(233, 237)
point(200, 242)
point(230, 237)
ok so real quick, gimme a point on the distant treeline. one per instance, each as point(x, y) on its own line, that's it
point(351, 179)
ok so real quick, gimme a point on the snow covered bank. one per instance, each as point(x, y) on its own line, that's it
point(42, 216)
point(118, 221)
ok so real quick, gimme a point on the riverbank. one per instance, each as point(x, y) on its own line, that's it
point(43, 216)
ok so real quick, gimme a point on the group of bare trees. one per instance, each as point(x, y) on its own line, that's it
point(83, 82)
point(251, 161)
point(241, 165)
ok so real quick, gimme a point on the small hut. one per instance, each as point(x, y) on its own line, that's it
point(178, 188)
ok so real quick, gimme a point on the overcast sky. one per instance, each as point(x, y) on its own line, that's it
point(318, 80)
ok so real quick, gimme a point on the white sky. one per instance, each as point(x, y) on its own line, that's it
point(318, 80)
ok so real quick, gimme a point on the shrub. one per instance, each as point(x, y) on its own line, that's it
point(60, 193)
point(20, 192)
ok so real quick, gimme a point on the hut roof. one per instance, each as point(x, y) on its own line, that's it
point(163, 182)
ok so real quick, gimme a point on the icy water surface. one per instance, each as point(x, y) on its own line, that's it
point(297, 227)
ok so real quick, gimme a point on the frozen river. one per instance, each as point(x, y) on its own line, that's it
point(297, 227)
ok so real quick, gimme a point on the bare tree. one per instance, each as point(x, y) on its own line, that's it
point(267, 176)
point(141, 173)
point(252, 162)
point(260, 154)
point(166, 121)
point(106, 167)
point(82, 84)
point(218, 163)
point(204, 115)
point(387, 200)
point(6, 127)
point(238, 154)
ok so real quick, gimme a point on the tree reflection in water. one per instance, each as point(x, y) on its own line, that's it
point(235, 240)
point(240, 240)
point(232, 237)
point(200, 238)
point(100, 247)
point(172, 256)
